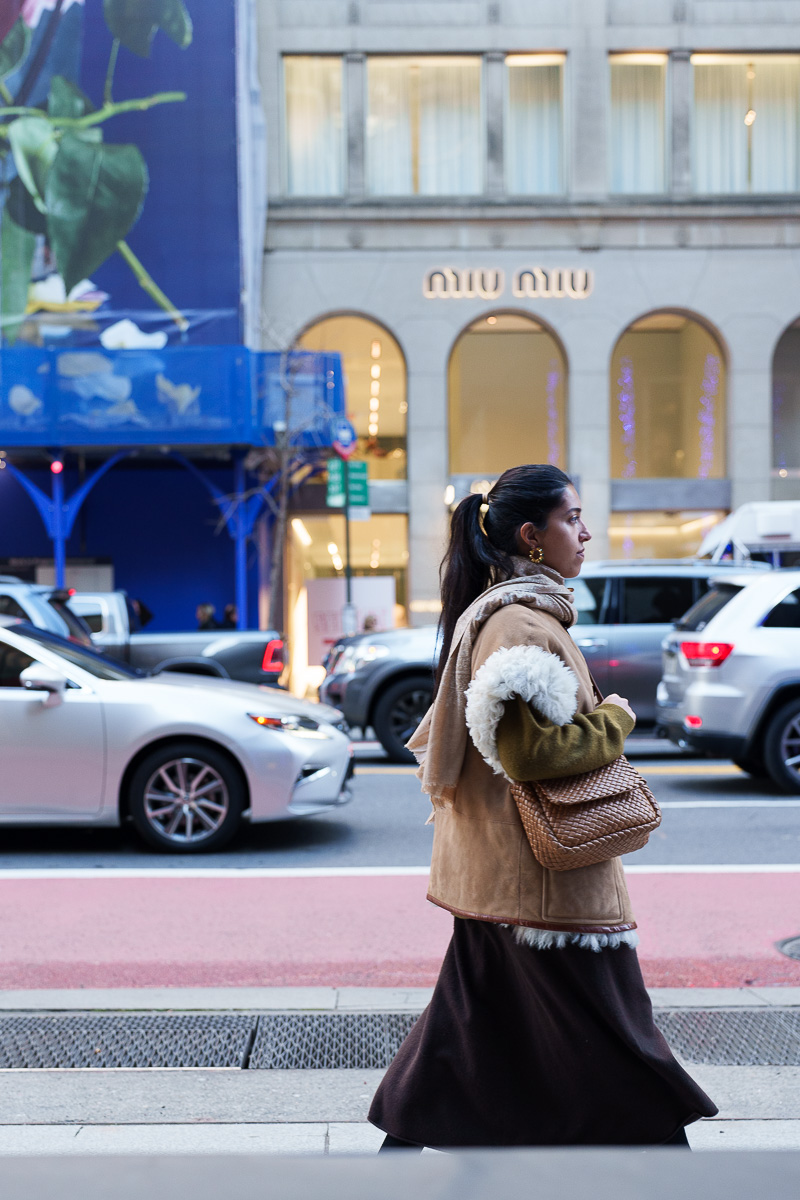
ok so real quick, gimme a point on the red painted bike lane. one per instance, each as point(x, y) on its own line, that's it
point(212, 929)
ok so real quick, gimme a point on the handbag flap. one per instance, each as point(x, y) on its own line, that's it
point(618, 777)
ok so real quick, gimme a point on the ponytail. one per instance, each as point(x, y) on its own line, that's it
point(482, 545)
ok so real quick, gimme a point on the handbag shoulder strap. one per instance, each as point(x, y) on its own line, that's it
point(598, 695)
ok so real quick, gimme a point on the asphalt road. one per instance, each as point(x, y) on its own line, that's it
point(713, 814)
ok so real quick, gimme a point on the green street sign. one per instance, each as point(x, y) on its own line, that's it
point(335, 497)
point(357, 484)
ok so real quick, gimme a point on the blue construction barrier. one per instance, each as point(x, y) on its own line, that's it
point(177, 396)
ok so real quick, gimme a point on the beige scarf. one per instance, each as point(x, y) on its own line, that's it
point(440, 741)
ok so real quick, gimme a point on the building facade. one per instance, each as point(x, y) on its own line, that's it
point(541, 230)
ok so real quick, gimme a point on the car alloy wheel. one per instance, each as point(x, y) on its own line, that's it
point(399, 711)
point(408, 712)
point(186, 800)
point(790, 747)
point(782, 747)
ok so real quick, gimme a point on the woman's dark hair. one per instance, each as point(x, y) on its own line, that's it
point(475, 560)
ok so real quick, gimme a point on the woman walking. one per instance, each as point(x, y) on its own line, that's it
point(540, 1031)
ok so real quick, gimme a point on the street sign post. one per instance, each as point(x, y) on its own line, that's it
point(348, 488)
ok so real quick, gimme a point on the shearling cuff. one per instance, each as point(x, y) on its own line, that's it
point(541, 678)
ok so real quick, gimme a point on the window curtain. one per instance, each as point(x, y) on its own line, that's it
point(314, 146)
point(424, 126)
point(534, 130)
point(776, 100)
point(720, 134)
point(389, 170)
point(637, 127)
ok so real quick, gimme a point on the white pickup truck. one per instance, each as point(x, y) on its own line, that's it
point(253, 656)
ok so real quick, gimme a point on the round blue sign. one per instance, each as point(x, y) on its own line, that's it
point(344, 437)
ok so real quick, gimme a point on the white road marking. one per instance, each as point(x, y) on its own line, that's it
point(352, 872)
point(787, 803)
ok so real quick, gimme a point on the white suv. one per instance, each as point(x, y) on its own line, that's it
point(731, 675)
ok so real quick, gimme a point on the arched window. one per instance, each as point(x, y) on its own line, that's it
point(786, 415)
point(667, 401)
point(507, 396)
point(375, 382)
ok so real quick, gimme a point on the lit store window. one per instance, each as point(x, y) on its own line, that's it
point(315, 566)
point(659, 534)
point(507, 396)
point(667, 389)
point(375, 388)
point(424, 128)
point(746, 123)
point(786, 416)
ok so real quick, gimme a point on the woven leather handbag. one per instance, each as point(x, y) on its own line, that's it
point(587, 818)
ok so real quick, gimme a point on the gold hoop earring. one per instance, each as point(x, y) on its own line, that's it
point(537, 555)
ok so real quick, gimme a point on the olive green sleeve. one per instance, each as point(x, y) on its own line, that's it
point(531, 747)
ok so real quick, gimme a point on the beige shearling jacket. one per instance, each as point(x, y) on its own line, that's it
point(482, 865)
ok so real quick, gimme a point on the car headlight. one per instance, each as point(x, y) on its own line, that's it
point(299, 726)
point(353, 657)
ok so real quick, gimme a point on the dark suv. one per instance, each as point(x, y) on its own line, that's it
point(625, 609)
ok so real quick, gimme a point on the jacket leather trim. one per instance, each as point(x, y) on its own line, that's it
point(552, 926)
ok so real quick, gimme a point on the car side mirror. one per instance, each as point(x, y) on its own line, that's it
point(39, 678)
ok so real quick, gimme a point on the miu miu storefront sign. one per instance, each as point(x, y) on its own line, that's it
point(530, 283)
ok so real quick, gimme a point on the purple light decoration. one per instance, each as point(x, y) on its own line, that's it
point(553, 431)
point(626, 414)
point(706, 415)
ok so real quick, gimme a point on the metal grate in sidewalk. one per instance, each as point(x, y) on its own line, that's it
point(335, 1041)
point(734, 1037)
point(125, 1041)
point(326, 1040)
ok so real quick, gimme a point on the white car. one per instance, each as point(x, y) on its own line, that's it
point(731, 681)
point(86, 740)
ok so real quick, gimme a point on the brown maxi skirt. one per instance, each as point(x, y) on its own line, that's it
point(525, 1047)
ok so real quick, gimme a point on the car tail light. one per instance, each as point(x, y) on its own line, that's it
point(692, 722)
point(272, 663)
point(705, 654)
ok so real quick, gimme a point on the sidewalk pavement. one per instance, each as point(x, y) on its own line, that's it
point(223, 1111)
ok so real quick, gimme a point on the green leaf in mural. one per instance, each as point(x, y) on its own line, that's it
point(14, 48)
point(67, 100)
point(34, 145)
point(94, 195)
point(16, 256)
point(22, 209)
point(135, 22)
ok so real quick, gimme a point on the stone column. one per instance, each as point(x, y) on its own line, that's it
point(588, 344)
point(679, 116)
point(355, 117)
point(750, 341)
point(426, 344)
point(494, 88)
point(587, 102)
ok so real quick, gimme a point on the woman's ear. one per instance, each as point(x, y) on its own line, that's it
point(526, 538)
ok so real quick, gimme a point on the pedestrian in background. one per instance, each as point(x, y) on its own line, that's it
point(540, 1031)
point(230, 617)
point(204, 614)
